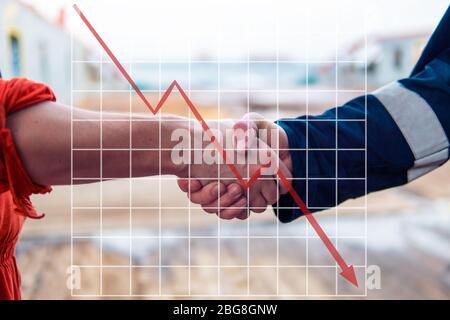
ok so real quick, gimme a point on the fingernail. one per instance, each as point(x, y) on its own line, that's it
point(235, 190)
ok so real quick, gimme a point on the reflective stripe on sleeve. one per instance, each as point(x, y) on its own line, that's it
point(419, 125)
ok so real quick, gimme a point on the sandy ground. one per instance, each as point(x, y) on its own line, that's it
point(408, 232)
point(411, 267)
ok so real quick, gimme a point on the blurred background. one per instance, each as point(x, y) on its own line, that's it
point(278, 58)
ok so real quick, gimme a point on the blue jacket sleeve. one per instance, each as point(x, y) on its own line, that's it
point(367, 144)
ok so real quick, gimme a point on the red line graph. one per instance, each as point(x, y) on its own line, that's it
point(347, 270)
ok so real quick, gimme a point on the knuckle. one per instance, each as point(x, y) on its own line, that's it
point(210, 209)
point(242, 215)
point(227, 214)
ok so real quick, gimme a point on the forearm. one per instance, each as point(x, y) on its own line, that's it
point(43, 138)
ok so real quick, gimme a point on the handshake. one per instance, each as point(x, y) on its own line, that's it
point(231, 168)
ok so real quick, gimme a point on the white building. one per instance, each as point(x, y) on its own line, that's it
point(389, 57)
point(33, 47)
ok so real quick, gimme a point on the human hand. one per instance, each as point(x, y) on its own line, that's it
point(230, 201)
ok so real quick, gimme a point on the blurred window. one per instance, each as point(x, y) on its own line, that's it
point(15, 54)
point(398, 58)
point(372, 67)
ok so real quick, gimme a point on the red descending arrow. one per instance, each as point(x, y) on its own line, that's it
point(348, 271)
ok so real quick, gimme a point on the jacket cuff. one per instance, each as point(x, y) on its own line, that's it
point(286, 209)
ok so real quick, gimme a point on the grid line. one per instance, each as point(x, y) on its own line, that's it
point(219, 91)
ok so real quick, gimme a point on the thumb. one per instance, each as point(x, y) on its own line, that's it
point(245, 132)
point(274, 135)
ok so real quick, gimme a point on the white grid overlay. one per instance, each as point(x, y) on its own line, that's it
point(248, 237)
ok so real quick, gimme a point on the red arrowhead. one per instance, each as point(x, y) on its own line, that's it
point(349, 274)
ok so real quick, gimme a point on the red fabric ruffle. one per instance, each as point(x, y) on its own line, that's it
point(17, 94)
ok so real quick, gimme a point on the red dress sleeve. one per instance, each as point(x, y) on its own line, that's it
point(17, 94)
